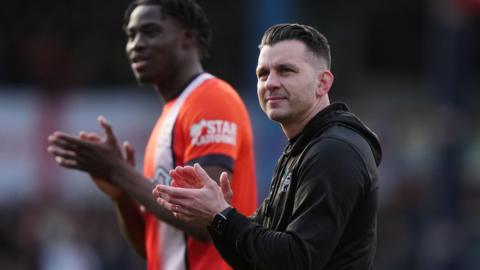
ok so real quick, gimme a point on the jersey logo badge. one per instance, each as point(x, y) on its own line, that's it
point(213, 131)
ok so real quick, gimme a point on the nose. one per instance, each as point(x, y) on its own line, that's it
point(135, 44)
point(272, 81)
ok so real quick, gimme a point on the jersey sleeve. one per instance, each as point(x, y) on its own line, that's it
point(209, 126)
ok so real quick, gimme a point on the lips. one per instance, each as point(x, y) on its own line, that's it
point(274, 101)
point(139, 65)
point(275, 98)
point(138, 62)
point(138, 58)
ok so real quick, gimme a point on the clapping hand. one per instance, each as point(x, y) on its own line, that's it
point(194, 196)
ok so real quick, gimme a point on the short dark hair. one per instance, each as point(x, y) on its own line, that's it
point(311, 37)
point(187, 12)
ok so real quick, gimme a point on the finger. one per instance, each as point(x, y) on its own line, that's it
point(182, 217)
point(83, 135)
point(57, 151)
point(178, 182)
point(189, 171)
point(172, 194)
point(67, 163)
point(192, 177)
point(54, 140)
point(164, 203)
point(177, 174)
point(161, 191)
point(63, 136)
point(202, 174)
point(129, 153)
point(184, 180)
point(64, 145)
point(93, 137)
point(172, 207)
point(182, 173)
point(156, 191)
point(107, 130)
point(180, 210)
point(179, 171)
point(225, 183)
point(65, 140)
point(181, 183)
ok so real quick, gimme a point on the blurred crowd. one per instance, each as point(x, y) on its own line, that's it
point(410, 70)
point(38, 235)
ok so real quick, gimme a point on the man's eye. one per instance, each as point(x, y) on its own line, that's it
point(262, 76)
point(150, 32)
point(286, 70)
point(130, 36)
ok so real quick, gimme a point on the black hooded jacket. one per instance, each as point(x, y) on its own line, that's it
point(322, 206)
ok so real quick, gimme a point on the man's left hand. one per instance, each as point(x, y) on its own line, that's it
point(97, 158)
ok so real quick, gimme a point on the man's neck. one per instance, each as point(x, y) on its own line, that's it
point(293, 128)
point(172, 87)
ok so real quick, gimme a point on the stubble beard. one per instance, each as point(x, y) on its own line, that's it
point(276, 115)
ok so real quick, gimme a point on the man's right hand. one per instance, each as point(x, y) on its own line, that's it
point(194, 205)
point(187, 177)
point(112, 191)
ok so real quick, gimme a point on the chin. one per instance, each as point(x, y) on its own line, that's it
point(142, 79)
point(276, 116)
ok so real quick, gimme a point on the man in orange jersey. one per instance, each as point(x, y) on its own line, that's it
point(203, 121)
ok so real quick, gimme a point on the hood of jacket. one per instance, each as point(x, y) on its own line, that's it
point(336, 114)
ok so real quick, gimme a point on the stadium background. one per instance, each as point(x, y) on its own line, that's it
point(410, 69)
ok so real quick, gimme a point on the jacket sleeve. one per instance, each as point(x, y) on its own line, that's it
point(227, 250)
point(329, 183)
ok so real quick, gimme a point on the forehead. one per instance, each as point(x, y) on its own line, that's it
point(144, 14)
point(283, 51)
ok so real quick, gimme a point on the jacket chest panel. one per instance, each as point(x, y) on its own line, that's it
point(283, 196)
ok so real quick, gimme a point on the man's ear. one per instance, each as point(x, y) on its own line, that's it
point(188, 39)
point(324, 82)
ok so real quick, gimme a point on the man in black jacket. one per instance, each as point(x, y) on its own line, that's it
point(322, 206)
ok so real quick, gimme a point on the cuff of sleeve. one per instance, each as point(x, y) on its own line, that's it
point(219, 220)
point(221, 160)
point(236, 226)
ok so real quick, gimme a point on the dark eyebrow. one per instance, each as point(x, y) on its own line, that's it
point(287, 66)
point(149, 24)
point(145, 25)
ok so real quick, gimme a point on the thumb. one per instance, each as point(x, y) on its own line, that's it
point(225, 183)
point(129, 153)
point(107, 130)
point(226, 188)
